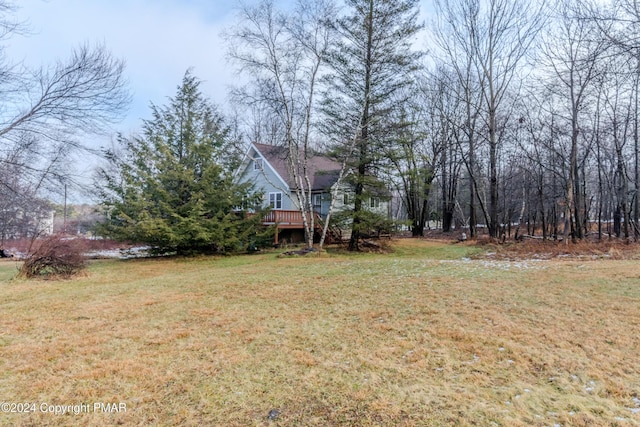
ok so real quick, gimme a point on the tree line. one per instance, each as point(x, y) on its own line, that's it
point(539, 104)
point(542, 112)
point(521, 118)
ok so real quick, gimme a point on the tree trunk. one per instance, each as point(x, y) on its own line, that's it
point(364, 140)
point(494, 228)
point(636, 148)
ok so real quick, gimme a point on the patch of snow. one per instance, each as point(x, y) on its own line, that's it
point(589, 388)
point(474, 266)
point(134, 252)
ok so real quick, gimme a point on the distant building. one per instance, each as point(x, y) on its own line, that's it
point(18, 222)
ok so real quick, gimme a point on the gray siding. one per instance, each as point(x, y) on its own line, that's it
point(265, 180)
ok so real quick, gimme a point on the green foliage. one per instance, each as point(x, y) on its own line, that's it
point(262, 238)
point(372, 218)
point(371, 62)
point(172, 188)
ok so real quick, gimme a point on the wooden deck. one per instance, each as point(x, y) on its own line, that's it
point(284, 219)
point(292, 220)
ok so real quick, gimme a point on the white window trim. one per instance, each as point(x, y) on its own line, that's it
point(273, 200)
point(257, 164)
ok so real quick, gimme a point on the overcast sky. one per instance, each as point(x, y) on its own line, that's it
point(158, 39)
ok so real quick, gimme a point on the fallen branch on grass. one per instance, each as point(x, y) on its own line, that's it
point(55, 257)
point(301, 252)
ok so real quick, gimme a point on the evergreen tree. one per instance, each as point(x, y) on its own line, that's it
point(371, 63)
point(172, 188)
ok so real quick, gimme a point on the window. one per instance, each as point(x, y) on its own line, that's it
point(317, 201)
point(275, 200)
point(257, 164)
point(374, 202)
point(347, 199)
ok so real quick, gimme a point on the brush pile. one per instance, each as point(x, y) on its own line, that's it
point(55, 257)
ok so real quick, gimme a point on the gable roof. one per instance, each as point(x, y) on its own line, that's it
point(323, 172)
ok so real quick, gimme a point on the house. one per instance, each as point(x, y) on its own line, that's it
point(17, 222)
point(266, 167)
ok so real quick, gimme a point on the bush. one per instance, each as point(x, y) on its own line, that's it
point(55, 257)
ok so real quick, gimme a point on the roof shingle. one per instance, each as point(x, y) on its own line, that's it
point(323, 172)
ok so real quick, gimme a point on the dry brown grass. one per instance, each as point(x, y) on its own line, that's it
point(401, 339)
point(583, 250)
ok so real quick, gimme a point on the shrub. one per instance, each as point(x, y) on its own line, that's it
point(55, 257)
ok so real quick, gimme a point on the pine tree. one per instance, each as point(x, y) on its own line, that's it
point(371, 63)
point(172, 188)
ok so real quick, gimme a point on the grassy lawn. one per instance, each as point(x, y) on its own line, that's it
point(426, 335)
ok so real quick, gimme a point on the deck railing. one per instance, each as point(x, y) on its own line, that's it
point(282, 217)
point(293, 220)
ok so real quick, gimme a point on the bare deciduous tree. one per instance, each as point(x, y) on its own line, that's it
point(494, 37)
point(284, 54)
point(48, 112)
point(572, 54)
